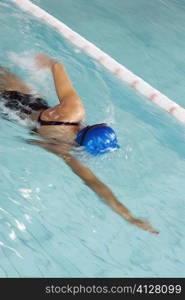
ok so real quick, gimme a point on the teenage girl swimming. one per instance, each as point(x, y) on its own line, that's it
point(62, 129)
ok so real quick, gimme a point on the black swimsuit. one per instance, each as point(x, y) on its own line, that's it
point(24, 103)
point(27, 103)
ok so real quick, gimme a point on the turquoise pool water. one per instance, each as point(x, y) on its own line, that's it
point(145, 36)
point(52, 225)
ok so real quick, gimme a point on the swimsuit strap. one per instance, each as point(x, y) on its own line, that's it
point(46, 123)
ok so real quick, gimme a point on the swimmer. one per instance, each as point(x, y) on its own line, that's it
point(61, 128)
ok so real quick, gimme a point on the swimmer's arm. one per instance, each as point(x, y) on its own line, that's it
point(95, 184)
point(63, 85)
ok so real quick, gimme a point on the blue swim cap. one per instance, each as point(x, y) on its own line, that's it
point(97, 139)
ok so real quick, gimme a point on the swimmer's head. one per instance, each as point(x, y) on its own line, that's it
point(97, 139)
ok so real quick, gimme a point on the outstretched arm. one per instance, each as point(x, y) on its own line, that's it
point(95, 184)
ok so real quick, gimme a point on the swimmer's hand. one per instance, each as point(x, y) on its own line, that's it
point(126, 214)
point(44, 61)
point(143, 224)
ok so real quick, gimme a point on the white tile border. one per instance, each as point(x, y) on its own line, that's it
point(108, 62)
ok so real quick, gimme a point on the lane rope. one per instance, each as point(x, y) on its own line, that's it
point(105, 60)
